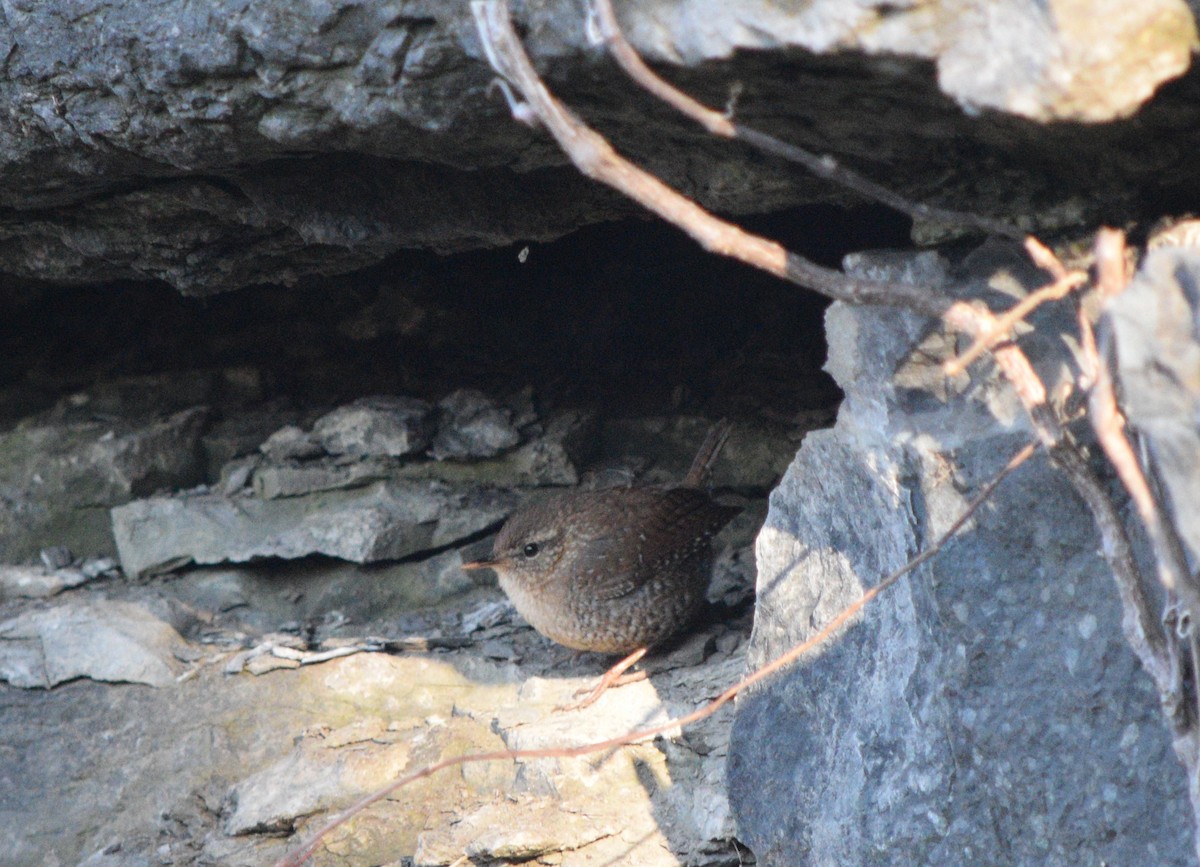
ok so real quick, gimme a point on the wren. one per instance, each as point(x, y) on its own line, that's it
point(617, 570)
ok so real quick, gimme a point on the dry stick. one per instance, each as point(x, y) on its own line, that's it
point(1142, 628)
point(822, 166)
point(595, 158)
point(1010, 318)
point(1109, 425)
point(1044, 258)
point(1088, 356)
point(780, 662)
point(1177, 622)
point(1107, 421)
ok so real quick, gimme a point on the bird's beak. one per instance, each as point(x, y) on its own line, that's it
point(480, 564)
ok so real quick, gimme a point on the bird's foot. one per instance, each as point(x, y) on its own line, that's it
point(615, 676)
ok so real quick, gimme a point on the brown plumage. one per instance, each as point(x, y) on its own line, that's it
point(613, 570)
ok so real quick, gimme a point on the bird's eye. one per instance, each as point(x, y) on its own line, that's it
point(531, 550)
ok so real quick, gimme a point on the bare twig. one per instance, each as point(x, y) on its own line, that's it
point(301, 855)
point(1142, 629)
point(1088, 356)
point(1112, 275)
point(1109, 425)
point(609, 30)
point(1165, 666)
point(1044, 258)
point(596, 159)
point(723, 125)
point(1064, 283)
point(1009, 319)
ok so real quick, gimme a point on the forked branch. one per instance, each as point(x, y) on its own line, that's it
point(724, 125)
point(598, 160)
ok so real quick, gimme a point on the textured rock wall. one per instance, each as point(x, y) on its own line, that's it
point(227, 144)
point(986, 709)
point(1156, 342)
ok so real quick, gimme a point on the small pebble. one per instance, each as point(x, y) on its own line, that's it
point(729, 642)
point(499, 650)
point(94, 567)
point(57, 557)
point(71, 576)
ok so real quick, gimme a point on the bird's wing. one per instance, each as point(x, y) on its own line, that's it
point(647, 533)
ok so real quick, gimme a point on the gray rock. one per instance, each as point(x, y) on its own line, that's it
point(112, 855)
point(523, 410)
point(328, 765)
point(259, 598)
point(93, 638)
point(387, 520)
point(71, 576)
point(518, 830)
point(686, 785)
point(1156, 325)
point(94, 567)
point(549, 459)
point(754, 456)
point(57, 480)
point(472, 425)
point(330, 474)
point(489, 614)
point(104, 464)
point(144, 397)
point(240, 434)
point(213, 136)
point(301, 742)
point(291, 443)
point(376, 427)
point(237, 474)
point(1010, 56)
point(986, 707)
point(30, 582)
point(56, 557)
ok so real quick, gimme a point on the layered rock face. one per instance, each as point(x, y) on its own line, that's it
point(293, 315)
point(986, 704)
point(224, 146)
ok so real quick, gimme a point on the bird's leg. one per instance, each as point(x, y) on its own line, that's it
point(615, 676)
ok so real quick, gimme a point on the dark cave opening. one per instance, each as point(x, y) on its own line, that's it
point(629, 318)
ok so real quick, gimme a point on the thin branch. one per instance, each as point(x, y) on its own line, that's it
point(1142, 629)
point(720, 124)
point(301, 855)
point(1109, 425)
point(1044, 258)
point(1089, 355)
point(596, 159)
point(1112, 274)
point(1009, 319)
point(628, 59)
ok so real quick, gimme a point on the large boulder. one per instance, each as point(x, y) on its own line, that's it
point(986, 708)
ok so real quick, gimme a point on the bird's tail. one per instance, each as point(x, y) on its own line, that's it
point(702, 464)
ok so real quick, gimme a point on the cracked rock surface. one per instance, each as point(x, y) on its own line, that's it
point(987, 706)
point(220, 146)
point(222, 713)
